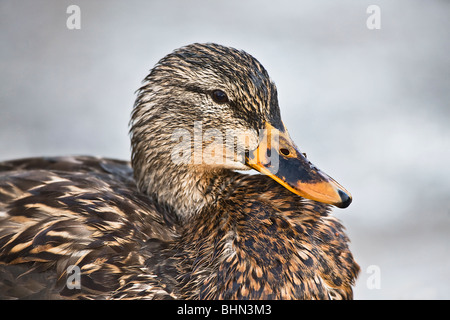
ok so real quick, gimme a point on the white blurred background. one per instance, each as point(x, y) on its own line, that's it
point(369, 107)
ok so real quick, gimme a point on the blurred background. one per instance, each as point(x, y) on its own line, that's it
point(369, 107)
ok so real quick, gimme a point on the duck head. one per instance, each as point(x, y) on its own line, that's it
point(208, 108)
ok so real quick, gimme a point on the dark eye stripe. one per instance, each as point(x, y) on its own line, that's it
point(219, 96)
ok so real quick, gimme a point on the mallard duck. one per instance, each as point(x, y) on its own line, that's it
point(181, 221)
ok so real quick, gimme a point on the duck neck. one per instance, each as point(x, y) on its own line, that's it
point(184, 189)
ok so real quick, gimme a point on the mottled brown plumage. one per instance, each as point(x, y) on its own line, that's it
point(194, 229)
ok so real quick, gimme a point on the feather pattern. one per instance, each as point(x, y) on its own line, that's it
point(152, 229)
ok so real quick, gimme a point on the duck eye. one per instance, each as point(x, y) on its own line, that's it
point(219, 96)
point(284, 151)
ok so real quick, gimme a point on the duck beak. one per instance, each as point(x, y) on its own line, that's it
point(279, 158)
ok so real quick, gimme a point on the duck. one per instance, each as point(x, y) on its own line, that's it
point(182, 219)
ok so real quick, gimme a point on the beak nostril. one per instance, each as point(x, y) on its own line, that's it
point(284, 151)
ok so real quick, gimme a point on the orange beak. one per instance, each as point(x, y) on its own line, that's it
point(289, 167)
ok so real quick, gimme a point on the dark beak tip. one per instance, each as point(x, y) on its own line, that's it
point(345, 200)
